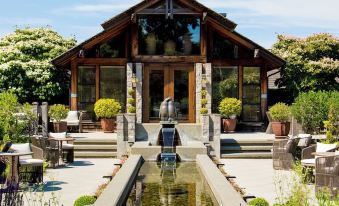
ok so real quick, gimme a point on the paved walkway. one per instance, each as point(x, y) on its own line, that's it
point(259, 178)
point(80, 178)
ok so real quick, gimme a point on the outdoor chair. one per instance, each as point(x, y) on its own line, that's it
point(327, 174)
point(67, 148)
point(74, 119)
point(308, 159)
point(305, 140)
point(51, 151)
point(284, 153)
point(30, 166)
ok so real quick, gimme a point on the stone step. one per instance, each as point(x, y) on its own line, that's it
point(246, 141)
point(247, 155)
point(246, 148)
point(95, 147)
point(95, 154)
point(95, 141)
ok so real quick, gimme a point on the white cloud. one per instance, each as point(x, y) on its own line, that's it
point(25, 21)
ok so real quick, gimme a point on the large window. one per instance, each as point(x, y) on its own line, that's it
point(86, 88)
point(225, 84)
point(251, 94)
point(161, 36)
point(113, 83)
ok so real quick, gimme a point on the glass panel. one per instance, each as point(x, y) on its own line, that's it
point(156, 92)
point(160, 36)
point(251, 94)
point(223, 48)
point(181, 86)
point(113, 48)
point(113, 83)
point(225, 84)
point(86, 89)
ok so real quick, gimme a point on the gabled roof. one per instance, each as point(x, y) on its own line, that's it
point(125, 17)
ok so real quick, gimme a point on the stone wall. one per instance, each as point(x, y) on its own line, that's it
point(138, 97)
point(198, 77)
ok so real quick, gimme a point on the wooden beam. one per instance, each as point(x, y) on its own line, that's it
point(163, 12)
point(97, 82)
point(264, 90)
point(74, 85)
point(240, 80)
point(237, 62)
point(134, 40)
point(203, 40)
point(102, 61)
point(170, 59)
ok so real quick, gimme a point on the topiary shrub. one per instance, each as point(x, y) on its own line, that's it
point(203, 111)
point(58, 112)
point(130, 91)
point(280, 112)
point(258, 202)
point(106, 108)
point(85, 200)
point(203, 93)
point(229, 107)
point(131, 101)
point(131, 109)
point(203, 102)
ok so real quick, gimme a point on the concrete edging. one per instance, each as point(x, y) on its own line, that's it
point(117, 191)
point(223, 191)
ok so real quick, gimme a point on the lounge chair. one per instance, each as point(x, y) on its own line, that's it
point(308, 159)
point(30, 166)
point(284, 153)
point(327, 174)
point(74, 119)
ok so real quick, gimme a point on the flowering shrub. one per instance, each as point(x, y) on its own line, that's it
point(107, 108)
point(58, 112)
point(25, 66)
point(229, 107)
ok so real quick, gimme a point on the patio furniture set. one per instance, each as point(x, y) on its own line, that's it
point(319, 160)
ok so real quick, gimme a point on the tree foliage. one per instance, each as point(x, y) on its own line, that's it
point(312, 63)
point(25, 66)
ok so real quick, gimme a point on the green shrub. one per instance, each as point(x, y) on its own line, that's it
point(106, 108)
point(311, 109)
point(131, 109)
point(258, 202)
point(131, 101)
point(130, 91)
point(58, 112)
point(203, 111)
point(203, 93)
point(85, 200)
point(203, 102)
point(280, 112)
point(229, 107)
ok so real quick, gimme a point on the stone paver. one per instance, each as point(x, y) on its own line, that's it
point(258, 177)
point(80, 178)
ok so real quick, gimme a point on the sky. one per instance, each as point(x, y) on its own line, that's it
point(259, 20)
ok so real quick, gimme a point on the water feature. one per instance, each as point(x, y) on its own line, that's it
point(168, 155)
point(183, 186)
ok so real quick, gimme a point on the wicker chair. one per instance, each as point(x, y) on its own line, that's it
point(30, 166)
point(284, 154)
point(67, 147)
point(51, 151)
point(308, 159)
point(327, 174)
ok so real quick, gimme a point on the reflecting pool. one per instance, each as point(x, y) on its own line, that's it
point(182, 184)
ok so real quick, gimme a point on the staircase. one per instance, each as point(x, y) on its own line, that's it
point(246, 148)
point(95, 148)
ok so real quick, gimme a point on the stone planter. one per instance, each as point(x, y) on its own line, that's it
point(281, 129)
point(229, 125)
point(60, 126)
point(107, 125)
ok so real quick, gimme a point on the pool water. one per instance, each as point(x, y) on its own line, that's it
point(177, 184)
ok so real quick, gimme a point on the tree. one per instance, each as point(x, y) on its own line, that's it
point(312, 63)
point(25, 66)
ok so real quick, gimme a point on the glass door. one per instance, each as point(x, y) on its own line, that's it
point(251, 109)
point(174, 81)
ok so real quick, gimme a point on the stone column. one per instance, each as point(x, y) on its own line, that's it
point(205, 127)
point(35, 123)
point(216, 119)
point(198, 73)
point(121, 143)
point(208, 70)
point(129, 74)
point(131, 119)
point(44, 118)
point(138, 95)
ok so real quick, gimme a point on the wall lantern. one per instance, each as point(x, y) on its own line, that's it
point(134, 80)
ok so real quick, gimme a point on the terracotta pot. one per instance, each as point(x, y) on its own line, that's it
point(60, 126)
point(229, 125)
point(281, 129)
point(107, 125)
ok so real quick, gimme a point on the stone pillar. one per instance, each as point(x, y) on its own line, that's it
point(35, 123)
point(205, 127)
point(121, 138)
point(208, 70)
point(138, 95)
point(44, 118)
point(129, 74)
point(216, 121)
point(198, 73)
point(131, 119)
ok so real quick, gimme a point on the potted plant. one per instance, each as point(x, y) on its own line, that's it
point(106, 110)
point(57, 113)
point(280, 114)
point(229, 109)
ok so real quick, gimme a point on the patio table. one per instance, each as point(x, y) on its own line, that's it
point(323, 154)
point(60, 142)
point(13, 177)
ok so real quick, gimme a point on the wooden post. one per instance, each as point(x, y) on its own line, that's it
point(74, 85)
point(264, 88)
